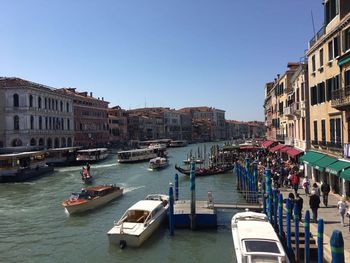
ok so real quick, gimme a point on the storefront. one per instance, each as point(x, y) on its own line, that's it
point(337, 183)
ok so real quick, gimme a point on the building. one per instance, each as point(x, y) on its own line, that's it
point(118, 126)
point(270, 123)
point(33, 114)
point(90, 118)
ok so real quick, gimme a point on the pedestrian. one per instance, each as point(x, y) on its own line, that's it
point(342, 205)
point(291, 199)
point(325, 189)
point(316, 189)
point(299, 203)
point(314, 203)
point(306, 185)
point(295, 182)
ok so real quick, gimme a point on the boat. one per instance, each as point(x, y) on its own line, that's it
point(158, 163)
point(61, 156)
point(139, 222)
point(206, 171)
point(178, 143)
point(189, 160)
point(255, 240)
point(139, 155)
point(19, 167)
point(91, 197)
point(86, 176)
point(91, 155)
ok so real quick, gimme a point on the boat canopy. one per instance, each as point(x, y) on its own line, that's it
point(146, 205)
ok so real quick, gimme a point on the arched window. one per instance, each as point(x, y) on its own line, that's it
point(30, 101)
point(62, 124)
point(57, 143)
point(61, 106)
point(63, 142)
point(32, 142)
point(39, 102)
point(15, 100)
point(69, 142)
point(45, 103)
point(49, 143)
point(41, 142)
point(49, 104)
point(56, 104)
point(1, 144)
point(16, 142)
point(31, 122)
point(40, 123)
point(16, 122)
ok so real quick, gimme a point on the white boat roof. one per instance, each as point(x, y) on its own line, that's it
point(249, 215)
point(256, 230)
point(137, 150)
point(146, 205)
point(92, 150)
point(22, 154)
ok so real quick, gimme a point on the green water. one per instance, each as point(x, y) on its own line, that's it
point(35, 228)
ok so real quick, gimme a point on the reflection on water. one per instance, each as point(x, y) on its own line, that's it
point(35, 228)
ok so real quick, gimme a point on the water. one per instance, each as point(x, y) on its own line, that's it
point(35, 228)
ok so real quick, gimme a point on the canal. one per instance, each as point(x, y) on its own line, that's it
point(35, 228)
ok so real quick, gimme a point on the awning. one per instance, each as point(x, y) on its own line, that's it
point(311, 157)
point(294, 152)
point(337, 167)
point(267, 144)
point(345, 174)
point(285, 149)
point(249, 148)
point(277, 148)
point(324, 162)
point(343, 61)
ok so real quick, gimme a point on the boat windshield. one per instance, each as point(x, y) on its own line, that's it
point(261, 246)
point(263, 259)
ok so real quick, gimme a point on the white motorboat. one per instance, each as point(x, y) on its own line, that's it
point(139, 222)
point(91, 198)
point(255, 239)
point(158, 163)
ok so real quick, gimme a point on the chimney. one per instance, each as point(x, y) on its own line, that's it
point(91, 94)
point(102, 98)
point(278, 76)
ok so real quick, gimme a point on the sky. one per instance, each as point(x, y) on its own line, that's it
point(158, 53)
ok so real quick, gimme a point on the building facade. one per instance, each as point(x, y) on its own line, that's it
point(118, 126)
point(34, 115)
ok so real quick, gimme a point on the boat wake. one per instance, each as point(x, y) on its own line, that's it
point(103, 165)
point(130, 189)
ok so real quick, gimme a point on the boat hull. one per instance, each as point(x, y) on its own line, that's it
point(26, 175)
point(138, 159)
point(93, 204)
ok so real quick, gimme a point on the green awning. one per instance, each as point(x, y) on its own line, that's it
point(345, 175)
point(343, 61)
point(337, 167)
point(322, 163)
point(311, 157)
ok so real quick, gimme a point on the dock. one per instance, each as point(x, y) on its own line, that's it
point(252, 207)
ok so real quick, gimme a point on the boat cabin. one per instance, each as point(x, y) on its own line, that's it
point(91, 155)
point(62, 156)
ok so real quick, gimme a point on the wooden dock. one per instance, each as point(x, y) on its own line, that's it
point(253, 207)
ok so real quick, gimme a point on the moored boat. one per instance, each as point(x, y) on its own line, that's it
point(255, 240)
point(158, 163)
point(206, 171)
point(61, 156)
point(91, 197)
point(139, 222)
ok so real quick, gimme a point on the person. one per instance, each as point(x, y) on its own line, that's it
point(295, 182)
point(314, 203)
point(299, 202)
point(325, 189)
point(316, 189)
point(88, 167)
point(291, 199)
point(306, 185)
point(342, 205)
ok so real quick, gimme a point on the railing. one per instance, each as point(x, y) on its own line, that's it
point(341, 97)
point(346, 152)
point(287, 111)
point(292, 110)
point(319, 34)
point(289, 141)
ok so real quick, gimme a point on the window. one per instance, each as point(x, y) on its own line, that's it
point(313, 97)
point(68, 124)
point(330, 50)
point(329, 84)
point(346, 36)
point(45, 103)
point(62, 124)
point(40, 123)
point(337, 130)
point(31, 122)
point(347, 79)
point(15, 100)
point(49, 104)
point(336, 82)
point(30, 101)
point(39, 102)
point(321, 57)
point(61, 106)
point(67, 106)
point(313, 61)
point(323, 131)
point(315, 131)
point(16, 122)
point(336, 46)
point(302, 91)
point(46, 126)
point(331, 10)
point(321, 93)
point(56, 105)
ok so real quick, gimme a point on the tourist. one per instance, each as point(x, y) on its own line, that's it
point(295, 182)
point(342, 205)
point(299, 203)
point(314, 203)
point(316, 189)
point(325, 189)
point(306, 185)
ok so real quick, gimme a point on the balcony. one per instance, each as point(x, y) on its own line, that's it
point(280, 137)
point(341, 98)
point(319, 34)
point(289, 141)
point(292, 110)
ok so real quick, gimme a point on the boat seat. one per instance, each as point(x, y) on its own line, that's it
point(141, 219)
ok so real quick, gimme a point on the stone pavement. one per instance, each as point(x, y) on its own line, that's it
point(331, 220)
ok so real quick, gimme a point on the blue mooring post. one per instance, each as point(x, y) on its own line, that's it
point(275, 209)
point(280, 214)
point(337, 247)
point(193, 195)
point(307, 237)
point(296, 232)
point(263, 198)
point(176, 187)
point(255, 182)
point(171, 210)
point(320, 228)
point(288, 227)
point(269, 193)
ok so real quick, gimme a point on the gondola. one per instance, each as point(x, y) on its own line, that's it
point(206, 171)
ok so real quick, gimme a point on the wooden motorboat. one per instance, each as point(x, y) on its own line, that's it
point(206, 171)
point(255, 240)
point(158, 163)
point(139, 222)
point(91, 197)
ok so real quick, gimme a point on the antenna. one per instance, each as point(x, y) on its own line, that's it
point(145, 103)
point(313, 23)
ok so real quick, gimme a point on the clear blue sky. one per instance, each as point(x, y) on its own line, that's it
point(174, 54)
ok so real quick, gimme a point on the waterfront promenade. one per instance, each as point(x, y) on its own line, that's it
point(331, 220)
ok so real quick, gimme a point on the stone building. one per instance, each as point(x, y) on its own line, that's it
point(33, 114)
point(118, 126)
point(90, 118)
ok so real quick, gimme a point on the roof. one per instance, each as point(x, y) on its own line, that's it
point(250, 229)
point(294, 152)
point(98, 188)
point(92, 150)
point(267, 144)
point(22, 154)
point(137, 150)
point(337, 167)
point(147, 205)
point(285, 149)
point(277, 148)
point(324, 162)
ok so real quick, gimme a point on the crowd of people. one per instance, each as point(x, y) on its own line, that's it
point(290, 174)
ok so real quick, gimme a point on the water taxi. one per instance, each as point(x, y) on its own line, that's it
point(61, 156)
point(91, 197)
point(18, 167)
point(158, 163)
point(91, 155)
point(139, 222)
point(138, 155)
point(255, 240)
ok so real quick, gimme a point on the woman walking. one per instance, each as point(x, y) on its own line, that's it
point(342, 205)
